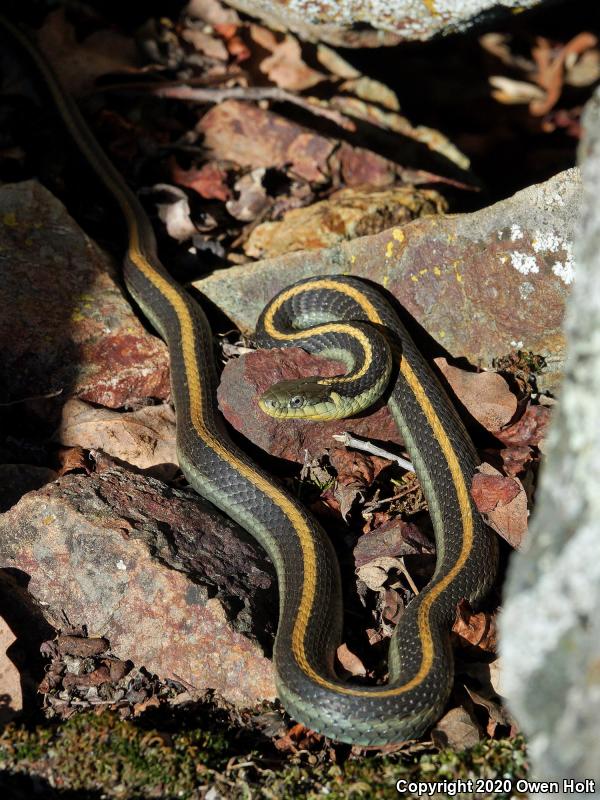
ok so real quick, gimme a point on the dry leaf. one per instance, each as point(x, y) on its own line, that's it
point(485, 395)
point(491, 491)
point(210, 46)
point(513, 93)
point(252, 199)
point(509, 520)
point(350, 662)
point(530, 429)
point(286, 68)
point(476, 629)
point(456, 730)
point(145, 438)
point(210, 181)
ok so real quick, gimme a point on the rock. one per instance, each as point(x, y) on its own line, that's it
point(243, 381)
point(550, 628)
point(155, 571)
point(366, 23)
point(480, 284)
point(66, 327)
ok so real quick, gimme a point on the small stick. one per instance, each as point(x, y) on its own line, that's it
point(349, 441)
point(213, 95)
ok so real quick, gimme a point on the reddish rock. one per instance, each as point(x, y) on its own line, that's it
point(66, 325)
point(111, 551)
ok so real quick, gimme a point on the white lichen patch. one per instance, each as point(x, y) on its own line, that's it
point(524, 262)
point(551, 242)
point(515, 233)
point(547, 241)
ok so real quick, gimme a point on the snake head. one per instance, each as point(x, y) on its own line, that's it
point(302, 398)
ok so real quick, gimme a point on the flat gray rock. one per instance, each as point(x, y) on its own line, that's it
point(481, 285)
point(369, 23)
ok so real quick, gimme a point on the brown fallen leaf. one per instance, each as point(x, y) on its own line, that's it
point(457, 730)
point(286, 68)
point(509, 520)
point(498, 716)
point(251, 196)
point(144, 438)
point(144, 705)
point(252, 137)
point(485, 395)
point(491, 491)
point(210, 46)
point(393, 539)
point(355, 473)
point(530, 429)
point(298, 738)
point(476, 629)
point(551, 67)
point(97, 677)
point(73, 459)
point(350, 662)
point(209, 181)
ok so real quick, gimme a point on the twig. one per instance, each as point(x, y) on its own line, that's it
point(212, 95)
point(349, 441)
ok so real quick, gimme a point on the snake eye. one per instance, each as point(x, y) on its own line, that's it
point(297, 401)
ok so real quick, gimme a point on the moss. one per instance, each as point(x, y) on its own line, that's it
point(122, 759)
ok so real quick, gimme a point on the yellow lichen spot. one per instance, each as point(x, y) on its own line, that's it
point(437, 271)
point(47, 520)
point(414, 278)
point(430, 6)
point(441, 334)
point(398, 235)
point(352, 259)
point(77, 316)
point(389, 249)
point(386, 280)
point(459, 277)
point(423, 271)
point(10, 219)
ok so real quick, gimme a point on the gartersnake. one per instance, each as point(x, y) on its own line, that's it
point(310, 615)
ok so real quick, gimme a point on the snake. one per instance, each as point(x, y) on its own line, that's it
point(353, 319)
